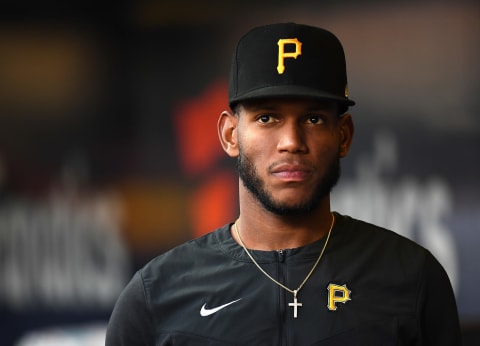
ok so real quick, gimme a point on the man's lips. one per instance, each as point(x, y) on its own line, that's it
point(291, 172)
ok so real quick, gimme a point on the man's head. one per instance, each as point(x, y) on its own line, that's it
point(288, 90)
point(289, 60)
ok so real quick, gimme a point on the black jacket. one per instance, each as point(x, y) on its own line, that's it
point(372, 287)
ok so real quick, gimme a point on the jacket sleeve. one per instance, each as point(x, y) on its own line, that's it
point(131, 323)
point(438, 310)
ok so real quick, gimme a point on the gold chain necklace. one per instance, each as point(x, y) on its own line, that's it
point(295, 304)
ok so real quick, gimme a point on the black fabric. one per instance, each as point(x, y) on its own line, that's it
point(316, 68)
point(399, 294)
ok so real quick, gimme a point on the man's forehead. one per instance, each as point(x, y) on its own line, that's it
point(274, 103)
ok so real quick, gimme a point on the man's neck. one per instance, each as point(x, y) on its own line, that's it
point(260, 229)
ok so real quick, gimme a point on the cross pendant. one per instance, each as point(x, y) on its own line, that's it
point(295, 304)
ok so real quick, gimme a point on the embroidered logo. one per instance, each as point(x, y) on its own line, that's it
point(282, 55)
point(337, 294)
point(207, 312)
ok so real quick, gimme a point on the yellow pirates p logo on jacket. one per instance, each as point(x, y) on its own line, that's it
point(337, 294)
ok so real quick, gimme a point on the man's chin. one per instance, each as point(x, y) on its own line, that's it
point(284, 209)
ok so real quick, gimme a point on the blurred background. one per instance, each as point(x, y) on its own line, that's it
point(109, 153)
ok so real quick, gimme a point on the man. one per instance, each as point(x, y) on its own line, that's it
point(289, 271)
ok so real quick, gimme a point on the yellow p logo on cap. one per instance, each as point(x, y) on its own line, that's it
point(282, 55)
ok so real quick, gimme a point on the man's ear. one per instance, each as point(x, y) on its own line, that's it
point(227, 133)
point(346, 134)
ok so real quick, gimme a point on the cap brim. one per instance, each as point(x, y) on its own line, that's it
point(290, 91)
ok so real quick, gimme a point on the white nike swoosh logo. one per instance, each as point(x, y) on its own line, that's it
point(206, 312)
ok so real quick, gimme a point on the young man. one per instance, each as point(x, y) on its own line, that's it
point(289, 271)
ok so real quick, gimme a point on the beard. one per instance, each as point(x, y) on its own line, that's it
point(252, 181)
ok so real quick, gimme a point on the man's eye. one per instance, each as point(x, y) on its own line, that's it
point(265, 118)
point(314, 119)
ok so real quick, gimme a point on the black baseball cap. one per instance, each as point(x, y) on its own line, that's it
point(289, 60)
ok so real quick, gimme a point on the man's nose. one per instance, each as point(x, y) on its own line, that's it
point(291, 138)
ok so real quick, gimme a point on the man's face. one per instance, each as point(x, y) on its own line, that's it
point(289, 153)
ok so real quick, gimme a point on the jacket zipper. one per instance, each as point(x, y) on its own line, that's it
point(282, 298)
